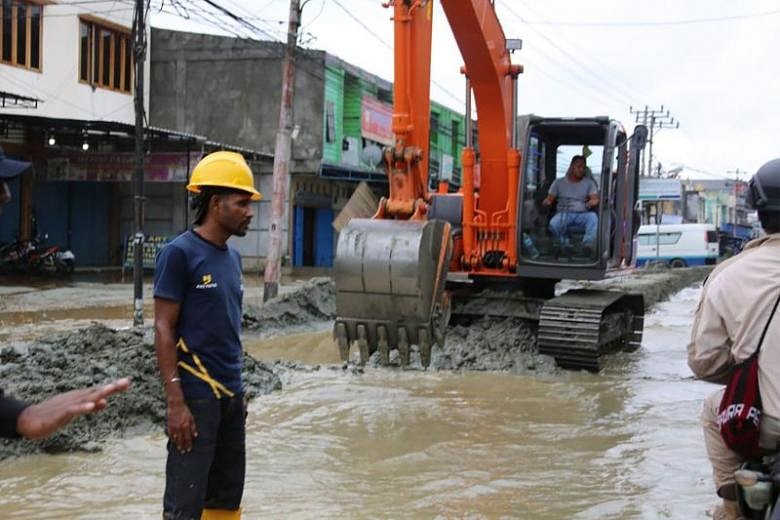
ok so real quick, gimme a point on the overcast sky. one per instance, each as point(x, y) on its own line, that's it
point(714, 64)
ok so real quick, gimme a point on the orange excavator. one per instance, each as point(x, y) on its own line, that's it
point(488, 249)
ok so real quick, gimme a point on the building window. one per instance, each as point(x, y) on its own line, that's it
point(105, 57)
point(20, 34)
point(330, 122)
point(455, 138)
point(663, 239)
point(434, 130)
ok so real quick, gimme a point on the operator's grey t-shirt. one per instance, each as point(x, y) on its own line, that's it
point(572, 196)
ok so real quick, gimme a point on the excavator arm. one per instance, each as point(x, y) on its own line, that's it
point(391, 270)
point(489, 223)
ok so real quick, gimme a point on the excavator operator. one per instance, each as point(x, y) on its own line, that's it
point(574, 195)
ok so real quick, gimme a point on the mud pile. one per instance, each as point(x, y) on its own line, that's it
point(656, 283)
point(94, 356)
point(308, 307)
point(509, 344)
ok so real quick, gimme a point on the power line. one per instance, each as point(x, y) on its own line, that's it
point(658, 23)
point(237, 32)
point(600, 81)
point(234, 25)
point(364, 26)
point(248, 15)
point(238, 18)
point(390, 47)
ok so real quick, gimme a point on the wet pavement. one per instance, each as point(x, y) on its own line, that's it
point(387, 443)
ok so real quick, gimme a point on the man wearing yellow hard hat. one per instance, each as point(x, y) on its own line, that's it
point(197, 316)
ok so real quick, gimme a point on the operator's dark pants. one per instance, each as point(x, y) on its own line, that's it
point(212, 474)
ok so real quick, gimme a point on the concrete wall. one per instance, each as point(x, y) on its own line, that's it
point(230, 90)
point(164, 209)
point(57, 83)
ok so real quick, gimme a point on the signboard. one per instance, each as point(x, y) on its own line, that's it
point(152, 246)
point(445, 168)
point(119, 166)
point(659, 189)
point(376, 122)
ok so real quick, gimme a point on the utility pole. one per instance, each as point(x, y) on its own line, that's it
point(653, 119)
point(139, 53)
point(735, 217)
point(736, 174)
point(282, 156)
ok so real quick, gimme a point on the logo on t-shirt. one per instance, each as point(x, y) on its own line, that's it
point(206, 283)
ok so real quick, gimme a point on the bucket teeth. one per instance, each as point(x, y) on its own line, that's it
point(425, 347)
point(342, 339)
point(382, 345)
point(362, 341)
point(382, 338)
point(403, 347)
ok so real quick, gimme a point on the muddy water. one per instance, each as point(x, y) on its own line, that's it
point(393, 444)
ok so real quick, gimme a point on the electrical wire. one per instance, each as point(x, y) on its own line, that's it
point(665, 23)
point(444, 89)
point(631, 90)
point(591, 79)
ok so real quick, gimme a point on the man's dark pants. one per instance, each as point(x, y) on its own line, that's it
point(212, 474)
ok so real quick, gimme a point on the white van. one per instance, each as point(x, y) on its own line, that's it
point(679, 245)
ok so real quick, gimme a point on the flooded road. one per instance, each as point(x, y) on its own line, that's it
point(622, 444)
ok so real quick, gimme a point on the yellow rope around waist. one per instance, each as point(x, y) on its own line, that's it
point(201, 373)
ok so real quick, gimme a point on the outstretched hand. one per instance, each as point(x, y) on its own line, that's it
point(41, 420)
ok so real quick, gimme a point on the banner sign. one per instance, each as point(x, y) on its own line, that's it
point(152, 246)
point(376, 122)
point(651, 188)
point(120, 167)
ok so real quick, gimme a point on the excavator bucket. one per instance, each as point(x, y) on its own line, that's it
point(390, 278)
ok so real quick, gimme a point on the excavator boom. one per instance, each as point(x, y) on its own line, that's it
point(391, 270)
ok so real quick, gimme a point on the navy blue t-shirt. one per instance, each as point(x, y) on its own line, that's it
point(206, 280)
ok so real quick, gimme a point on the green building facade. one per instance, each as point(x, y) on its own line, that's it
point(354, 99)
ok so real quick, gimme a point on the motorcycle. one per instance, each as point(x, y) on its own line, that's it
point(28, 256)
point(52, 259)
point(758, 488)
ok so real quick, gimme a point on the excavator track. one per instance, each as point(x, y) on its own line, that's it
point(580, 326)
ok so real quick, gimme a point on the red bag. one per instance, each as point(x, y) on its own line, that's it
point(739, 413)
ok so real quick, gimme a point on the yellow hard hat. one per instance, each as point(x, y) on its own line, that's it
point(225, 170)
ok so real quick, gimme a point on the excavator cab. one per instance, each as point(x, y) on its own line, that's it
point(556, 242)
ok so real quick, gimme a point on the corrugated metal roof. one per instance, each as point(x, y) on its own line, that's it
point(239, 149)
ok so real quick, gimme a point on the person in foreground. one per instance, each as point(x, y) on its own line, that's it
point(36, 421)
point(735, 306)
point(198, 295)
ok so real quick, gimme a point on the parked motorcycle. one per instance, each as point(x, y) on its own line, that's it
point(29, 256)
point(52, 259)
point(758, 488)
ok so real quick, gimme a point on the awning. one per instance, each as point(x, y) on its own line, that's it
point(11, 100)
point(92, 127)
point(74, 131)
point(348, 173)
